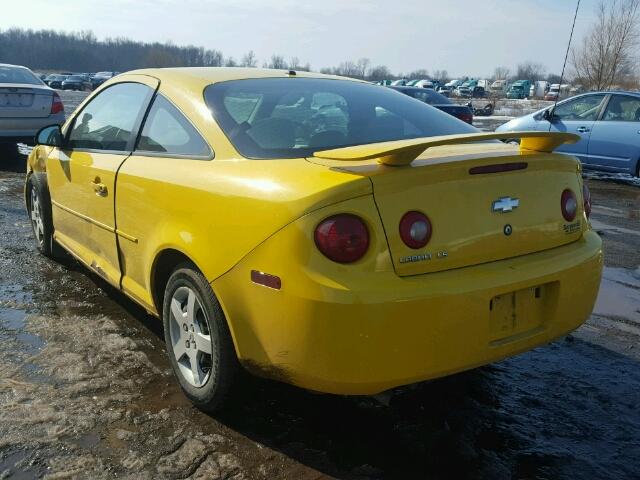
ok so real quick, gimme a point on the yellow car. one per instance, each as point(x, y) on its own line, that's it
point(325, 232)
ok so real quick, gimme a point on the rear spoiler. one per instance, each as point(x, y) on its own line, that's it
point(403, 152)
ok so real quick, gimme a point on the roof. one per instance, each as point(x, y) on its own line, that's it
point(207, 75)
point(11, 65)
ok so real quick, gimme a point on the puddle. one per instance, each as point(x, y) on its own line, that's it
point(15, 466)
point(12, 319)
point(619, 295)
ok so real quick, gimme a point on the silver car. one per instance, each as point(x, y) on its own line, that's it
point(26, 105)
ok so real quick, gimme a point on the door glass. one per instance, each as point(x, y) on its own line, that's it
point(106, 123)
point(622, 108)
point(580, 109)
point(166, 130)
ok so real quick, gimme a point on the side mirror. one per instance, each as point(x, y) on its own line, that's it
point(50, 136)
point(548, 115)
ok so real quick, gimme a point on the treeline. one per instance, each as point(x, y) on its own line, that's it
point(83, 52)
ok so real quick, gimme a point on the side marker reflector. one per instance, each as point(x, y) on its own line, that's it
point(266, 280)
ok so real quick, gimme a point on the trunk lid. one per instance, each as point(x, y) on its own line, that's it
point(448, 185)
point(24, 101)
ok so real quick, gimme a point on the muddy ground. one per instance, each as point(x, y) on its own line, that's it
point(86, 390)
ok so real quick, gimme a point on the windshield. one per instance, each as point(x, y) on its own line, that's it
point(74, 77)
point(294, 117)
point(18, 75)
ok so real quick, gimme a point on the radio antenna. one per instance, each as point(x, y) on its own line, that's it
point(566, 56)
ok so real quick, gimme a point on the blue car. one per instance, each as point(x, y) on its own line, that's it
point(607, 122)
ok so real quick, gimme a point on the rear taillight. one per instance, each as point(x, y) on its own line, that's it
point(466, 117)
point(586, 200)
point(415, 229)
point(342, 238)
point(568, 205)
point(56, 106)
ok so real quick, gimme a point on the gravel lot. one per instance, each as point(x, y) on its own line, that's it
point(87, 392)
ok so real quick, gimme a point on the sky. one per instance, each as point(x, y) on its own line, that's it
point(464, 37)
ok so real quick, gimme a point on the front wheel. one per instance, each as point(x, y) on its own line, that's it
point(198, 340)
point(39, 210)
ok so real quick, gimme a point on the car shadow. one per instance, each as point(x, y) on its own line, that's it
point(11, 160)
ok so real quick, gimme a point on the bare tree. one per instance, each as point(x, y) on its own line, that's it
point(249, 60)
point(277, 62)
point(363, 67)
point(530, 71)
point(441, 76)
point(294, 63)
point(230, 62)
point(380, 72)
point(420, 74)
point(606, 56)
point(501, 73)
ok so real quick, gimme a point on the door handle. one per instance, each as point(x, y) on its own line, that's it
point(99, 188)
point(583, 129)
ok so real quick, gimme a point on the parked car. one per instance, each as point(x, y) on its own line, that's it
point(553, 93)
point(76, 82)
point(423, 84)
point(48, 78)
point(478, 92)
point(433, 98)
point(101, 77)
point(607, 122)
point(26, 105)
point(444, 90)
point(338, 257)
point(55, 81)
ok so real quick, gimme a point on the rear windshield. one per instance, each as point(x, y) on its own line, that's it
point(18, 75)
point(295, 117)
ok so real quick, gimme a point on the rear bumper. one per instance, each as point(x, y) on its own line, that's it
point(14, 129)
point(321, 334)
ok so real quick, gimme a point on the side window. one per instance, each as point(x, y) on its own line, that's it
point(622, 108)
point(106, 123)
point(583, 108)
point(166, 130)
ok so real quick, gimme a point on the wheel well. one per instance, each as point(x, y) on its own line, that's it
point(164, 265)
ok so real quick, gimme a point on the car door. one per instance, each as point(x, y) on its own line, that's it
point(169, 169)
point(577, 115)
point(81, 174)
point(615, 138)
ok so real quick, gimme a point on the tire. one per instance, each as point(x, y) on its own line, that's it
point(206, 378)
point(39, 209)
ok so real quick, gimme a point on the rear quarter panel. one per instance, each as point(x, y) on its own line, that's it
point(213, 211)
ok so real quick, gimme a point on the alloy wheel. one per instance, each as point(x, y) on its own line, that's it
point(190, 336)
point(36, 216)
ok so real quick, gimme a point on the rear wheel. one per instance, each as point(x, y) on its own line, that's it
point(198, 340)
point(39, 210)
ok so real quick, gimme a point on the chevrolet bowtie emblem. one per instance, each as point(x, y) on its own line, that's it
point(505, 204)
